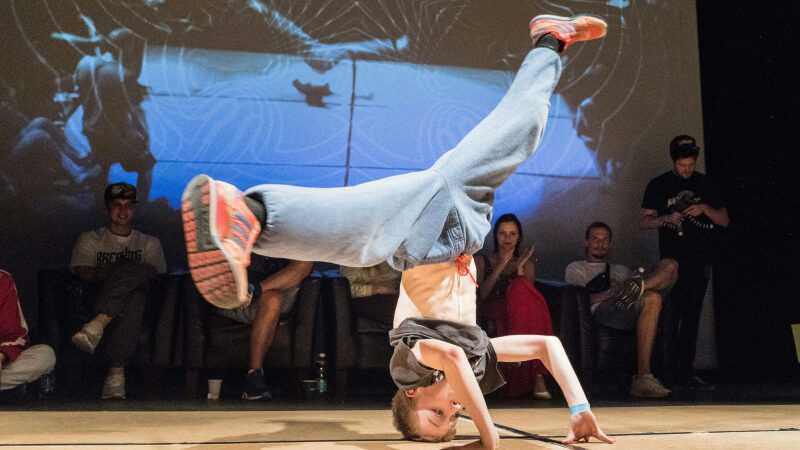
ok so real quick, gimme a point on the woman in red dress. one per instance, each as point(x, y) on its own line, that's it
point(510, 304)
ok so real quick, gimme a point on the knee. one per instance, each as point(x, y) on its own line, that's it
point(270, 301)
point(670, 267)
point(652, 300)
point(45, 357)
point(48, 359)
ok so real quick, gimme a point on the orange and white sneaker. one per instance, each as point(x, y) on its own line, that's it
point(220, 231)
point(568, 29)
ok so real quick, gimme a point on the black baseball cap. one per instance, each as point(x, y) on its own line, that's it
point(124, 191)
point(683, 146)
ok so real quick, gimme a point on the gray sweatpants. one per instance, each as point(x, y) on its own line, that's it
point(31, 364)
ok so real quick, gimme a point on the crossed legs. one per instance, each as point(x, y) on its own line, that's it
point(656, 283)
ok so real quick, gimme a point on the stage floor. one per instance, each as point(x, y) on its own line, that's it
point(635, 427)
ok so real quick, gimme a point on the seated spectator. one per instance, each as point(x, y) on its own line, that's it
point(621, 301)
point(511, 304)
point(113, 118)
point(117, 263)
point(274, 281)
point(37, 159)
point(20, 363)
point(373, 290)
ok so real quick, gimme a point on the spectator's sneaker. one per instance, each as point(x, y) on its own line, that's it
point(88, 337)
point(697, 382)
point(629, 292)
point(648, 386)
point(220, 231)
point(543, 395)
point(114, 387)
point(256, 388)
point(568, 29)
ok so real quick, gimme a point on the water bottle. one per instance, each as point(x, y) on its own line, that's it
point(322, 379)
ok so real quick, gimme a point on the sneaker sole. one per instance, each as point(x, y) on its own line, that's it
point(82, 342)
point(211, 268)
point(626, 304)
point(648, 394)
point(113, 397)
point(563, 20)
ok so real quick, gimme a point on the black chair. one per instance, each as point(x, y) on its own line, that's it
point(169, 339)
point(293, 350)
point(604, 358)
point(361, 350)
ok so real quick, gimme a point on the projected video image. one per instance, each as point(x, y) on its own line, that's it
point(324, 94)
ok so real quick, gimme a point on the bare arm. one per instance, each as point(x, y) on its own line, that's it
point(718, 216)
point(549, 350)
point(600, 297)
point(525, 266)
point(288, 277)
point(452, 360)
point(650, 220)
point(486, 284)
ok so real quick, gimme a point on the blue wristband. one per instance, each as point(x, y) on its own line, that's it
point(576, 409)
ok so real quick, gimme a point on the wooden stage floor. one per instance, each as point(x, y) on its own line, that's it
point(634, 427)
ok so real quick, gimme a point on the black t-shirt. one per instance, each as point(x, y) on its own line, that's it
point(408, 373)
point(669, 193)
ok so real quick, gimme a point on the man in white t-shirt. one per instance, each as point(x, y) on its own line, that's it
point(608, 283)
point(121, 262)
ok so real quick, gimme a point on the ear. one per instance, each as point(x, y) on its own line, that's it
point(411, 392)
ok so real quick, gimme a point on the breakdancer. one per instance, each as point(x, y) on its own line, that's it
point(426, 224)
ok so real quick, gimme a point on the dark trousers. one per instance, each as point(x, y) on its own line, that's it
point(123, 297)
point(681, 320)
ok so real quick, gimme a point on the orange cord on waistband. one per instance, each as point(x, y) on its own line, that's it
point(463, 266)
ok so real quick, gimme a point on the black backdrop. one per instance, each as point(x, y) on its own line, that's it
point(750, 90)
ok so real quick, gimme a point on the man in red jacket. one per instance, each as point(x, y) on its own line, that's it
point(19, 362)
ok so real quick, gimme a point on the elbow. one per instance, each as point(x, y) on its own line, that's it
point(553, 343)
point(452, 357)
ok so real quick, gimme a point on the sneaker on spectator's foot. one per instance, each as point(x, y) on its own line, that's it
point(699, 383)
point(629, 292)
point(256, 388)
point(568, 29)
point(114, 387)
point(648, 386)
point(88, 337)
point(220, 231)
point(543, 395)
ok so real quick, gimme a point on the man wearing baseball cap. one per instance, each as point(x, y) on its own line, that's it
point(687, 210)
point(117, 264)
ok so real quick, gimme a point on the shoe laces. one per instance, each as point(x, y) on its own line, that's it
point(462, 262)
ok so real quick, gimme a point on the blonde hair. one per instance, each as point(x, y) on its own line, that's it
point(403, 409)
